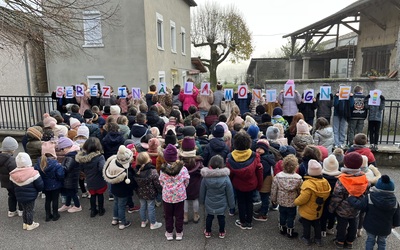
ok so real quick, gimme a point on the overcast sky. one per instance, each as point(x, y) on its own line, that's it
point(270, 20)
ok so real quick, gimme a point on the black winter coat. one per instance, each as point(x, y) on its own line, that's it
point(122, 189)
point(7, 164)
point(111, 143)
point(92, 166)
point(72, 170)
point(216, 146)
point(154, 120)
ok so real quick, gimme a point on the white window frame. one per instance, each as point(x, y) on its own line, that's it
point(183, 77)
point(161, 76)
point(183, 41)
point(160, 20)
point(173, 36)
point(92, 16)
point(90, 79)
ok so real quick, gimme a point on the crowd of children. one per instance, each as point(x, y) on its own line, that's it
point(222, 161)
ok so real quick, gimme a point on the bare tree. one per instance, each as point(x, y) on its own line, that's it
point(224, 32)
point(52, 25)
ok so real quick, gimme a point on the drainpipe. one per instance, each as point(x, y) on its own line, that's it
point(28, 78)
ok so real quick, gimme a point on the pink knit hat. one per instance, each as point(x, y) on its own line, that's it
point(49, 148)
point(302, 127)
point(153, 145)
point(48, 121)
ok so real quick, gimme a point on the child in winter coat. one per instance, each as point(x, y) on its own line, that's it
point(302, 138)
point(52, 174)
point(351, 182)
point(174, 178)
point(7, 164)
point(323, 134)
point(119, 174)
point(277, 118)
point(285, 189)
point(330, 172)
point(268, 162)
point(383, 212)
point(360, 142)
point(34, 145)
point(282, 152)
point(246, 176)
point(112, 140)
point(71, 178)
point(216, 145)
point(193, 164)
point(27, 184)
point(314, 191)
point(216, 193)
point(146, 178)
point(311, 152)
point(91, 162)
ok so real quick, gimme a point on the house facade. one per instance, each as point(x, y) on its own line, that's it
point(150, 44)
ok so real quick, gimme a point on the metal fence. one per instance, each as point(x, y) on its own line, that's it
point(21, 112)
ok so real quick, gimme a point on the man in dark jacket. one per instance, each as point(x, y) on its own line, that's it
point(358, 114)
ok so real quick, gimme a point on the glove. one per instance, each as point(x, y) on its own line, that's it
point(368, 96)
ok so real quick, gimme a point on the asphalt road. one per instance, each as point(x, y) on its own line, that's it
point(79, 231)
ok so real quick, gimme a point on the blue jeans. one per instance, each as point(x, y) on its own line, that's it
point(119, 209)
point(287, 216)
point(203, 114)
point(355, 126)
point(71, 194)
point(339, 129)
point(264, 203)
point(370, 243)
point(149, 207)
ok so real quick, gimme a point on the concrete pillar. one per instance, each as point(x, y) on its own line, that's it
point(397, 61)
point(306, 66)
point(292, 64)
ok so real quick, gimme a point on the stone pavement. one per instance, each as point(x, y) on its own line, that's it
point(79, 231)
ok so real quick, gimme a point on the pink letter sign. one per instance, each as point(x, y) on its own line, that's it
point(289, 89)
point(106, 91)
point(205, 88)
point(188, 90)
point(59, 91)
point(242, 92)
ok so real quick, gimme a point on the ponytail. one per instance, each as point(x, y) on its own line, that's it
point(43, 162)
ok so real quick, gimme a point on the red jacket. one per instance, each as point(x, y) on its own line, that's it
point(189, 100)
point(246, 175)
point(363, 150)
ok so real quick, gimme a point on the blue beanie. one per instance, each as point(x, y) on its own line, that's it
point(287, 150)
point(253, 131)
point(385, 183)
point(277, 111)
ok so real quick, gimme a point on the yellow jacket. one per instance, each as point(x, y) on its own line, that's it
point(313, 193)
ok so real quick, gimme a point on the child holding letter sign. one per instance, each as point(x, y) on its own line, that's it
point(324, 102)
point(374, 116)
point(289, 98)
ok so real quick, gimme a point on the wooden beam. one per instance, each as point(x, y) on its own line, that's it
point(396, 4)
point(376, 21)
point(322, 37)
point(353, 29)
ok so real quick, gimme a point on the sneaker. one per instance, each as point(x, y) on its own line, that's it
point(133, 209)
point(275, 208)
point(114, 221)
point(348, 245)
point(20, 213)
point(338, 244)
point(111, 198)
point(43, 196)
point(330, 231)
point(256, 203)
point(144, 224)
point(125, 225)
point(249, 226)
point(74, 209)
point(232, 212)
point(64, 208)
point(359, 232)
point(33, 226)
point(323, 234)
point(222, 235)
point(179, 236)
point(207, 234)
point(169, 236)
point(257, 212)
point(158, 203)
point(86, 195)
point(239, 224)
point(155, 225)
point(260, 217)
point(24, 226)
point(12, 214)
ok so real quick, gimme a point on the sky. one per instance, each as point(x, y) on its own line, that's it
point(269, 20)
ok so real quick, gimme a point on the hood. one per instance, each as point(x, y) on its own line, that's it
point(326, 132)
point(383, 199)
point(114, 137)
point(139, 130)
point(318, 185)
point(113, 172)
point(152, 117)
point(176, 90)
point(290, 179)
point(82, 157)
point(239, 165)
point(144, 172)
point(172, 169)
point(354, 184)
point(197, 166)
point(24, 176)
point(4, 158)
point(211, 173)
point(217, 144)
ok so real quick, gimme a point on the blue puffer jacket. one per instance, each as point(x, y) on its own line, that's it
point(27, 184)
point(216, 191)
point(111, 143)
point(72, 171)
point(52, 175)
point(216, 146)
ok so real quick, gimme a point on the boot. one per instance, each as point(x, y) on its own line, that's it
point(56, 216)
point(185, 218)
point(102, 211)
point(282, 229)
point(93, 212)
point(49, 217)
point(291, 233)
point(196, 217)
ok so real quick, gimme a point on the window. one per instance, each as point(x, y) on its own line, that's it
point(173, 37)
point(161, 76)
point(376, 59)
point(92, 29)
point(183, 40)
point(183, 77)
point(160, 32)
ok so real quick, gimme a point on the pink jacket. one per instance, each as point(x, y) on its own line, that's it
point(174, 178)
point(189, 100)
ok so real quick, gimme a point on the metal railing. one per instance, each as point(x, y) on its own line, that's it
point(21, 112)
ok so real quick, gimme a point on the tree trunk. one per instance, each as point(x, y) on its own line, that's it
point(213, 65)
